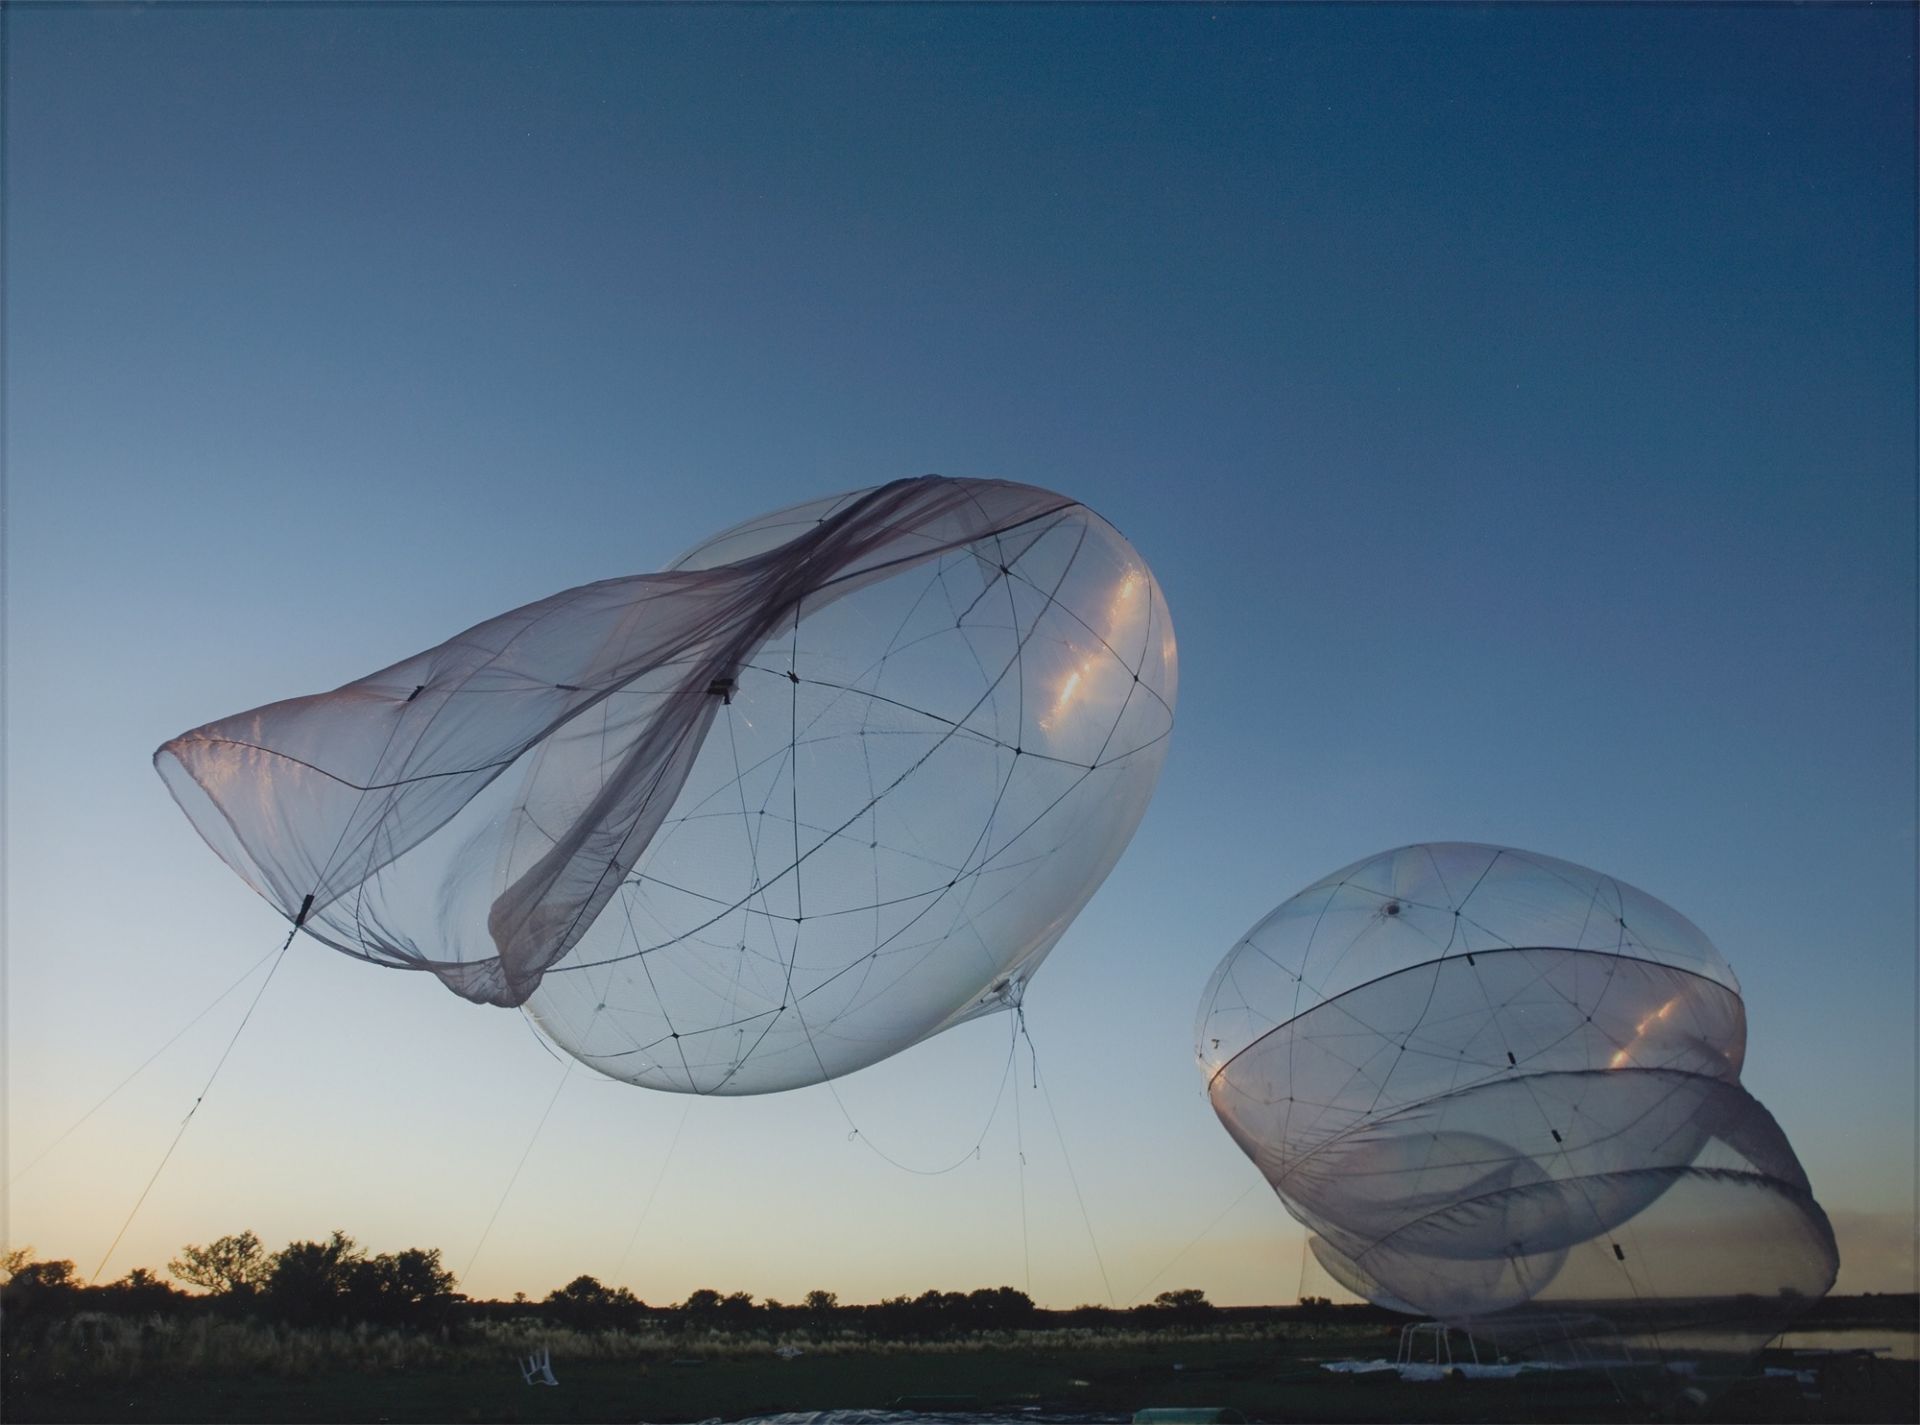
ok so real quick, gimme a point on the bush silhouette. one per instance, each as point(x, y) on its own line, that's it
point(232, 1268)
point(586, 1305)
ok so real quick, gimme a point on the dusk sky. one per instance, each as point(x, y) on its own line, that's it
point(1516, 405)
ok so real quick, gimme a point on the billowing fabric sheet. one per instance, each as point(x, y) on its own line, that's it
point(1504, 1089)
point(837, 779)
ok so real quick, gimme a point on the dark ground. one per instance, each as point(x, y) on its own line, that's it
point(1265, 1381)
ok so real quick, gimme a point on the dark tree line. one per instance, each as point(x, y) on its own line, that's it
point(586, 1304)
point(336, 1283)
point(326, 1283)
point(322, 1283)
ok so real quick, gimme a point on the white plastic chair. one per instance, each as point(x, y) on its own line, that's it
point(537, 1369)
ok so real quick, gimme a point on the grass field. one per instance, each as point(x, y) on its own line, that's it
point(1274, 1379)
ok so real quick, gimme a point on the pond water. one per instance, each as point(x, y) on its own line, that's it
point(1900, 1345)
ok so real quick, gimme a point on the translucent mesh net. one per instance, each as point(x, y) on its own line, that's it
point(836, 780)
point(1502, 1088)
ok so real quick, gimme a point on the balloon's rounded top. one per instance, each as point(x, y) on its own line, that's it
point(765, 532)
point(985, 504)
point(1419, 904)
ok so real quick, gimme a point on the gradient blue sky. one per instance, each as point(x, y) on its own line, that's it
point(1516, 404)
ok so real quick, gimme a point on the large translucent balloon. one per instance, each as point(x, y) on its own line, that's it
point(836, 780)
point(1490, 1080)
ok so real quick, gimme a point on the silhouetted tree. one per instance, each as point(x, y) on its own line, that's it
point(891, 1316)
point(999, 1308)
point(38, 1288)
point(817, 1309)
point(586, 1305)
point(1187, 1306)
point(410, 1289)
point(938, 1313)
point(701, 1308)
point(233, 1268)
point(36, 1299)
point(141, 1292)
point(309, 1281)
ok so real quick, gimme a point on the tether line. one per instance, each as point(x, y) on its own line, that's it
point(854, 1131)
point(75, 1126)
point(1020, 1150)
point(658, 1178)
point(1072, 1177)
point(1197, 1237)
point(279, 955)
point(525, 1154)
